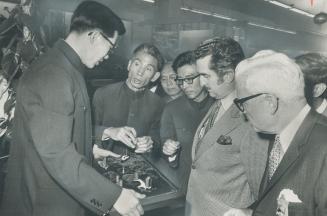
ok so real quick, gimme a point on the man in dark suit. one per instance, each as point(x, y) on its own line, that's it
point(181, 118)
point(128, 113)
point(49, 167)
point(314, 68)
point(227, 155)
point(270, 90)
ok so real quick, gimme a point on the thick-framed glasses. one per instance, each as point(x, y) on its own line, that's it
point(239, 102)
point(113, 45)
point(188, 80)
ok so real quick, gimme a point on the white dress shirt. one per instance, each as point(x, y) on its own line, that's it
point(288, 133)
point(322, 106)
point(226, 103)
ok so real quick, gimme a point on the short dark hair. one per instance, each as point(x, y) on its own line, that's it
point(225, 53)
point(153, 51)
point(91, 15)
point(314, 68)
point(185, 58)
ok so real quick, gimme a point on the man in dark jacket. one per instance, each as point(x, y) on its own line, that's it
point(181, 118)
point(128, 113)
point(49, 167)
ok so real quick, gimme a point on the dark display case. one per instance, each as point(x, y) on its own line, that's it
point(140, 174)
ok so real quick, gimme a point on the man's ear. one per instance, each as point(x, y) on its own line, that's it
point(228, 77)
point(155, 76)
point(93, 35)
point(129, 65)
point(319, 89)
point(273, 103)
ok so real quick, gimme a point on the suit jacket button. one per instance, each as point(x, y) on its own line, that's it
point(193, 166)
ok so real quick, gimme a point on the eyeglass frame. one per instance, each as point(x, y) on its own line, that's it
point(191, 79)
point(240, 101)
point(113, 45)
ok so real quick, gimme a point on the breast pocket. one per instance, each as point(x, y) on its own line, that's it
point(297, 209)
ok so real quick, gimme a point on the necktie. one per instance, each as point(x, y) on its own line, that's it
point(275, 156)
point(210, 121)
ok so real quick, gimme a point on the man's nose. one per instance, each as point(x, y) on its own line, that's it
point(170, 82)
point(140, 71)
point(184, 85)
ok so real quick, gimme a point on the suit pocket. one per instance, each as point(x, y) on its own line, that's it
point(297, 209)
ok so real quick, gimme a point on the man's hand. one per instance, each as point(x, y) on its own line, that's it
point(128, 203)
point(126, 135)
point(238, 212)
point(170, 147)
point(143, 144)
point(99, 153)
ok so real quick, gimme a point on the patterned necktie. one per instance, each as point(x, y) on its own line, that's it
point(275, 156)
point(210, 121)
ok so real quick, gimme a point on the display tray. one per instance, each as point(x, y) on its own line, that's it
point(158, 189)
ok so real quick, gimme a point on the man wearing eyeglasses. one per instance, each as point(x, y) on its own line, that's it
point(228, 157)
point(270, 90)
point(50, 169)
point(127, 114)
point(181, 117)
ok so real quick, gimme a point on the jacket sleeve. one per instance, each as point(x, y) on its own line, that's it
point(97, 108)
point(321, 190)
point(49, 104)
point(253, 153)
point(167, 126)
point(155, 129)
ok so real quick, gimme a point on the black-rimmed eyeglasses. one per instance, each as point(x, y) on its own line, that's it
point(188, 80)
point(239, 102)
point(113, 45)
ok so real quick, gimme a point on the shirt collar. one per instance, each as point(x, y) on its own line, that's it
point(288, 133)
point(71, 55)
point(322, 106)
point(132, 93)
point(227, 101)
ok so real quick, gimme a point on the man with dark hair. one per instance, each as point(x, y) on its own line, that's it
point(49, 166)
point(128, 113)
point(228, 157)
point(181, 117)
point(314, 68)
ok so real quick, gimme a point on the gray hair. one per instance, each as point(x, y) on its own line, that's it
point(273, 73)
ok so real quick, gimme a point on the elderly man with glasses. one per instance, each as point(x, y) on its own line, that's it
point(181, 117)
point(228, 157)
point(271, 90)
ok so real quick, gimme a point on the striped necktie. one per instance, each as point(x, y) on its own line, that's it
point(210, 121)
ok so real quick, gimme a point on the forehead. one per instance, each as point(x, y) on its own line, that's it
point(202, 65)
point(167, 71)
point(187, 70)
point(145, 58)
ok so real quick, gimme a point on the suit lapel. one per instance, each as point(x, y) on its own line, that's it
point(293, 152)
point(225, 125)
point(196, 140)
